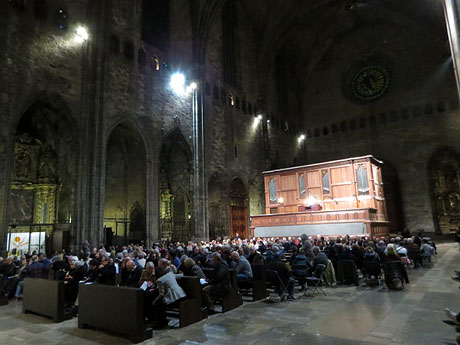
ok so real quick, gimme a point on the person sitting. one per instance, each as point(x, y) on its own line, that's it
point(219, 284)
point(169, 292)
point(191, 269)
point(59, 267)
point(131, 279)
point(391, 254)
point(426, 251)
point(300, 268)
point(275, 264)
point(243, 267)
point(255, 258)
point(76, 273)
point(319, 258)
point(106, 272)
point(10, 281)
point(91, 274)
point(148, 274)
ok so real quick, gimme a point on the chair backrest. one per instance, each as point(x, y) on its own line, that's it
point(394, 269)
point(371, 267)
point(258, 272)
point(319, 270)
point(273, 278)
point(190, 285)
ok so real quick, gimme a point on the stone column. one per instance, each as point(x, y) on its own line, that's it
point(200, 194)
point(451, 13)
point(89, 206)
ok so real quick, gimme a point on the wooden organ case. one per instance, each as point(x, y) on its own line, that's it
point(333, 198)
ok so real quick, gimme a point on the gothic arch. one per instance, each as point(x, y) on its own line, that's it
point(125, 204)
point(444, 176)
point(238, 209)
point(175, 188)
point(42, 170)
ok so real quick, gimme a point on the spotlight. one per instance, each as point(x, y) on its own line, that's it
point(81, 34)
point(177, 83)
point(259, 117)
point(193, 86)
point(268, 120)
point(302, 137)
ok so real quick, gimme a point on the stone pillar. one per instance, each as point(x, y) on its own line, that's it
point(89, 206)
point(451, 13)
point(200, 193)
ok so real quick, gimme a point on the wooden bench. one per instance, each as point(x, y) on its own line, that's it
point(45, 297)
point(232, 299)
point(257, 287)
point(187, 310)
point(3, 298)
point(113, 309)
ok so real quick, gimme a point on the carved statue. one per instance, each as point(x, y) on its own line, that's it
point(47, 164)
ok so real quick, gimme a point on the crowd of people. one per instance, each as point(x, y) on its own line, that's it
point(153, 269)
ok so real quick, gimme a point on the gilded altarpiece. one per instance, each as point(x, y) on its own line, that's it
point(445, 191)
point(33, 196)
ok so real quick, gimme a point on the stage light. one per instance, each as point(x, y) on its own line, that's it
point(259, 117)
point(81, 34)
point(280, 200)
point(302, 137)
point(177, 83)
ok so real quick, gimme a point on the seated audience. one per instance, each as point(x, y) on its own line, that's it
point(148, 274)
point(169, 292)
point(106, 272)
point(255, 258)
point(192, 269)
point(219, 284)
point(243, 267)
point(275, 264)
point(300, 266)
point(133, 275)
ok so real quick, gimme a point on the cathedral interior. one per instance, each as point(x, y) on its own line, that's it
point(97, 144)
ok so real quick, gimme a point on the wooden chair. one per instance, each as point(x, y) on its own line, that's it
point(257, 287)
point(45, 297)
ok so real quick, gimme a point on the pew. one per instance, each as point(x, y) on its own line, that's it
point(45, 297)
point(231, 300)
point(113, 309)
point(258, 284)
point(188, 309)
point(3, 298)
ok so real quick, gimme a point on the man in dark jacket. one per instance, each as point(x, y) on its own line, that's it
point(106, 272)
point(131, 279)
point(219, 284)
point(275, 264)
point(76, 273)
point(301, 268)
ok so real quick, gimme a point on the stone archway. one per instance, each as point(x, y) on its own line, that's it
point(215, 210)
point(238, 209)
point(176, 196)
point(444, 177)
point(125, 186)
point(42, 180)
point(393, 200)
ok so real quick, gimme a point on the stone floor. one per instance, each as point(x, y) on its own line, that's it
point(346, 316)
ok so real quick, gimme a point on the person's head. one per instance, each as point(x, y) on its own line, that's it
point(130, 265)
point(301, 252)
point(410, 240)
point(189, 262)
point(150, 267)
point(235, 256)
point(369, 250)
point(141, 255)
point(163, 266)
point(73, 261)
point(391, 250)
point(315, 250)
point(34, 258)
point(216, 257)
point(104, 260)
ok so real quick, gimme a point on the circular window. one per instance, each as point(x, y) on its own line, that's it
point(370, 83)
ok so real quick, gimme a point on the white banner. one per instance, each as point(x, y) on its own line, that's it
point(20, 241)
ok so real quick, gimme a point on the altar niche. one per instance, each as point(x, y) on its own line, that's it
point(175, 181)
point(444, 177)
point(125, 186)
point(42, 177)
point(238, 209)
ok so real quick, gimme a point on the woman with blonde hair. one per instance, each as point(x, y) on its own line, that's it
point(391, 254)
